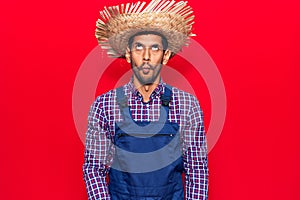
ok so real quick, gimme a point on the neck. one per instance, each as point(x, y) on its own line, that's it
point(145, 90)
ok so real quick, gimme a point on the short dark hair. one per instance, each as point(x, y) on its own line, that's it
point(163, 38)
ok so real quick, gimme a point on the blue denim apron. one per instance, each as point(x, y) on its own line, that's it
point(147, 162)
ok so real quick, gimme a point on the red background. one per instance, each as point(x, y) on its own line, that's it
point(255, 45)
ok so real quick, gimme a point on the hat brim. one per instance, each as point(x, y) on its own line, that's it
point(114, 35)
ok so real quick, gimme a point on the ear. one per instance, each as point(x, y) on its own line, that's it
point(127, 55)
point(166, 57)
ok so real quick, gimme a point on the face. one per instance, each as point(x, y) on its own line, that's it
point(146, 56)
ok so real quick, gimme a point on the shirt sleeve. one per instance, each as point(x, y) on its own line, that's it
point(195, 155)
point(97, 153)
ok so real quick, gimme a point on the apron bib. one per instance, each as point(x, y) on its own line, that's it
point(147, 162)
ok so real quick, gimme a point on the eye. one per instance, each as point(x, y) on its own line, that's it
point(155, 48)
point(139, 47)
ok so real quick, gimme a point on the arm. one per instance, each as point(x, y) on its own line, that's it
point(195, 155)
point(97, 151)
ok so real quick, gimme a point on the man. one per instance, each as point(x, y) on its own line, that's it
point(145, 135)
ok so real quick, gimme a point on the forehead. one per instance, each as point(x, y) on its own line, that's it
point(148, 39)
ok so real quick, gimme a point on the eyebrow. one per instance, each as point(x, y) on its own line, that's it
point(135, 43)
point(139, 43)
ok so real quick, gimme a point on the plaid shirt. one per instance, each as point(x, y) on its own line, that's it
point(184, 110)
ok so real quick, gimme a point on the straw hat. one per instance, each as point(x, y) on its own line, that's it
point(118, 23)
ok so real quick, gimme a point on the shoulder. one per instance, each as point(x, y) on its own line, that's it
point(184, 97)
point(188, 106)
point(105, 97)
point(104, 101)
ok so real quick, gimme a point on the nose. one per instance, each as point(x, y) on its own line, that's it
point(146, 55)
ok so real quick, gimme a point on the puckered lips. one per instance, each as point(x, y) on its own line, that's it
point(146, 68)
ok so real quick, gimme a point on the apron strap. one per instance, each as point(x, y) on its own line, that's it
point(122, 102)
point(121, 98)
point(166, 96)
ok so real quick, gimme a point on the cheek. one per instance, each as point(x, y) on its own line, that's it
point(157, 59)
point(137, 59)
